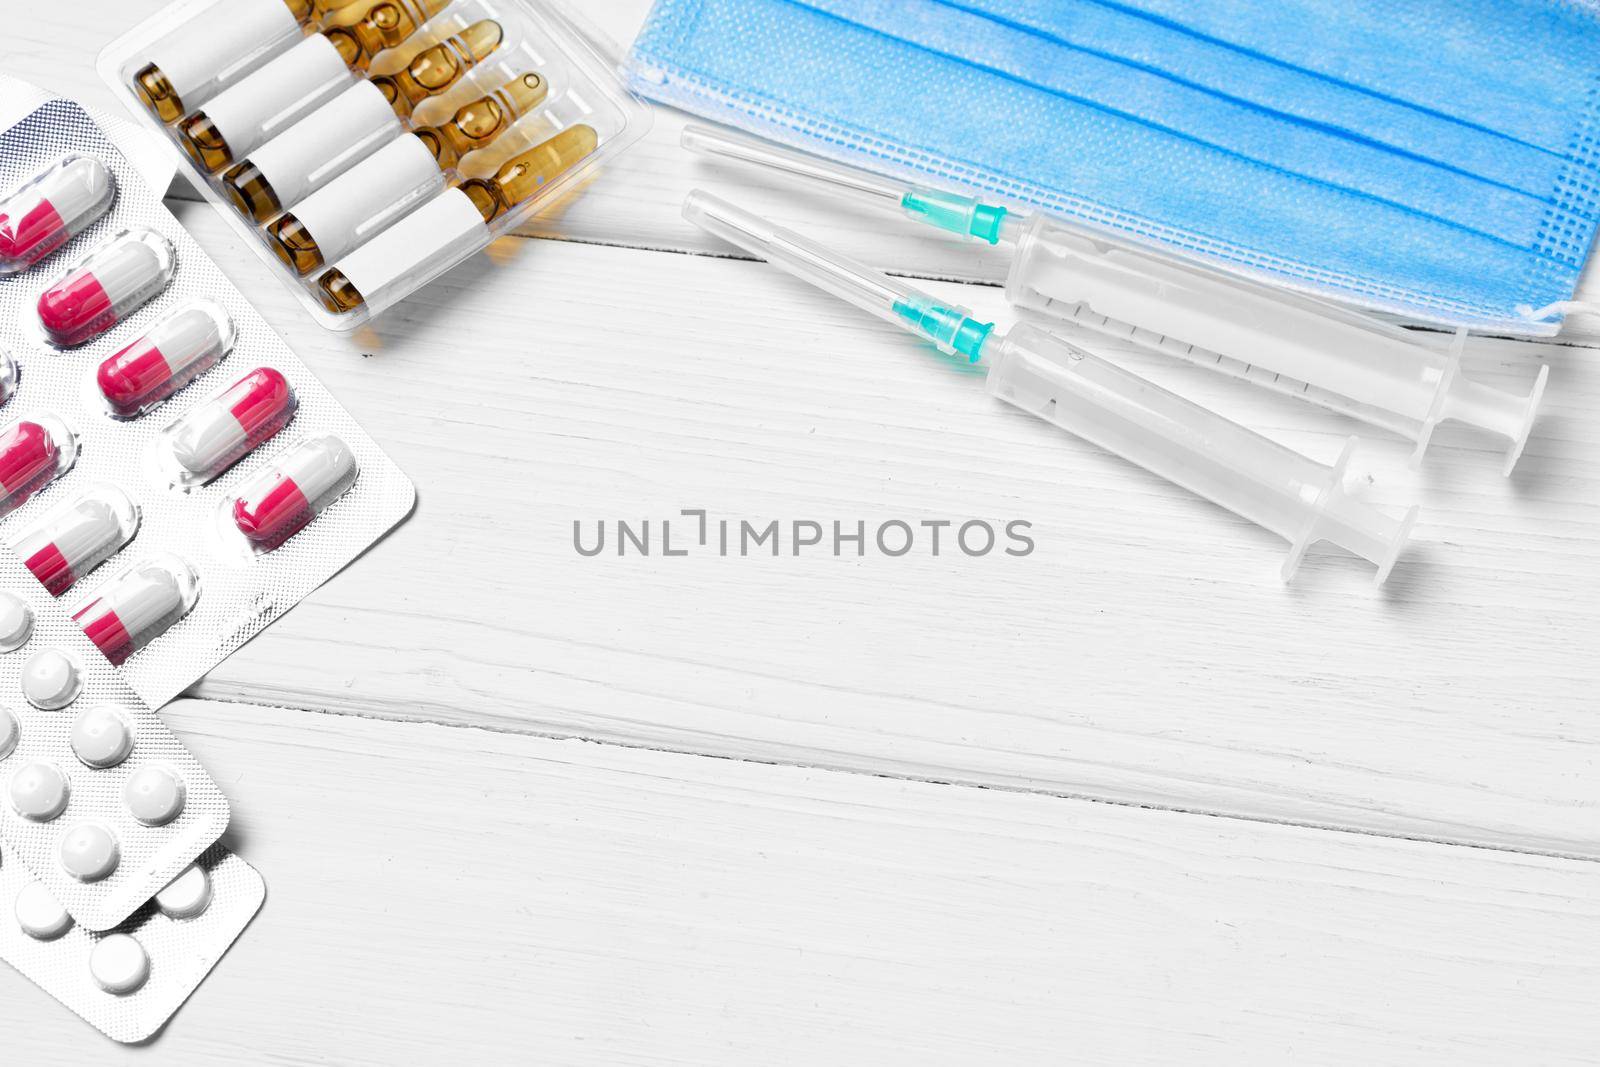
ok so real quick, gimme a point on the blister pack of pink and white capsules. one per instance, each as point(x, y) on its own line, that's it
point(98, 799)
point(168, 467)
point(127, 982)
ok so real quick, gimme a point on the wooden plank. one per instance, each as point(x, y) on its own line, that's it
point(1145, 652)
point(448, 894)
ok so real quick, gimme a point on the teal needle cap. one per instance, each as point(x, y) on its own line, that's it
point(947, 326)
point(956, 214)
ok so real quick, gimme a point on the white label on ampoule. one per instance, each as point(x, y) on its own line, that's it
point(221, 44)
point(326, 143)
point(278, 95)
point(369, 197)
point(418, 248)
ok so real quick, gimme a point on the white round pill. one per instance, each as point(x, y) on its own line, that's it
point(119, 964)
point(40, 917)
point(154, 795)
point(10, 733)
point(187, 896)
point(102, 737)
point(16, 622)
point(89, 852)
point(51, 679)
point(39, 792)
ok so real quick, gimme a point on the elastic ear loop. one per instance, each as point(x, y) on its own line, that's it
point(1560, 307)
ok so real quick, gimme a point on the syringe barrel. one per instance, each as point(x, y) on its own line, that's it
point(1286, 332)
point(1295, 497)
point(1383, 373)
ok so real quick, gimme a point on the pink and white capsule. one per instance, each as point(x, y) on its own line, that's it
point(34, 451)
point(51, 209)
point(139, 605)
point(223, 430)
point(105, 287)
point(280, 501)
point(75, 539)
point(179, 349)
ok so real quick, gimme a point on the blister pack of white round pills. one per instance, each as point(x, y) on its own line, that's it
point(127, 982)
point(97, 797)
point(168, 467)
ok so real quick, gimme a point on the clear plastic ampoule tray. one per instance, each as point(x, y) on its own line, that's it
point(363, 150)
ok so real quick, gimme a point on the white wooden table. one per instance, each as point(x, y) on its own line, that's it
point(1126, 799)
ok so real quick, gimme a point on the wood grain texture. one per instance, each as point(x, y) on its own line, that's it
point(450, 895)
point(1144, 654)
point(487, 896)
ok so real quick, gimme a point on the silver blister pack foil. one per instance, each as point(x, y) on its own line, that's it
point(148, 856)
point(240, 592)
point(180, 951)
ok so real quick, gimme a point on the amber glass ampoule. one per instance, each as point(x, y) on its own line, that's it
point(357, 33)
point(158, 93)
point(431, 72)
point(362, 32)
point(519, 180)
point(472, 127)
point(523, 176)
point(436, 69)
point(476, 124)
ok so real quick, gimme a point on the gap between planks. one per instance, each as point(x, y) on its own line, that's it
point(1445, 710)
point(526, 900)
point(513, 729)
point(1516, 768)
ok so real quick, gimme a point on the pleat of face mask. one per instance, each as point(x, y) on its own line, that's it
point(1438, 163)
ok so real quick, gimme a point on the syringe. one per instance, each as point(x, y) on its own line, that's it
point(1404, 381)
point(1297, 498)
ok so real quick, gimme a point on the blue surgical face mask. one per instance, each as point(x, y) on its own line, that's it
point(1437, 160)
